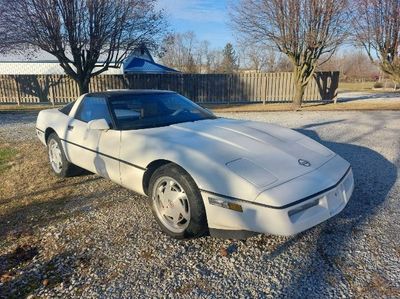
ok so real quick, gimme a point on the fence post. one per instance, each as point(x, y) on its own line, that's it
point(51, 91)
point(18, 90)
point(264, 88)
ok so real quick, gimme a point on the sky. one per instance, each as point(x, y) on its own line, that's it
point(208, 19)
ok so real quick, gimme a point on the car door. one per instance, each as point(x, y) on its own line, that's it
point(92, 149)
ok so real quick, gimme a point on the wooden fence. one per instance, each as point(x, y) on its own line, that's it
point(201, 88)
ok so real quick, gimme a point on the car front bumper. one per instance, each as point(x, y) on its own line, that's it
point(236, 217)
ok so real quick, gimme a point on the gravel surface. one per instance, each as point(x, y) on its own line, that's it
point(17, 126)
point(100, 240)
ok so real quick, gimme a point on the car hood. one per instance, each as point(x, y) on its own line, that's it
point(263, 154)
point(236, 158)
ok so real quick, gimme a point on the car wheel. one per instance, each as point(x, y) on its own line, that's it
point(177, 203)
point(58, 162)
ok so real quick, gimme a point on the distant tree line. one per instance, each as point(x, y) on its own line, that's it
point(184, 52)
point(309, 32)
point(303, 36)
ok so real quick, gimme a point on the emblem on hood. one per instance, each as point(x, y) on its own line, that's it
point(304, 163)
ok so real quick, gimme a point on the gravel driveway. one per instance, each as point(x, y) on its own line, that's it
point(100, 240)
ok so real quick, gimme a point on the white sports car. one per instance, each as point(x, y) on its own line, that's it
point(202, 174)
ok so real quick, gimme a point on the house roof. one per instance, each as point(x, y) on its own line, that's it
point(140, 61)
point(142, 52)
point(142, 66)
point(29, 56)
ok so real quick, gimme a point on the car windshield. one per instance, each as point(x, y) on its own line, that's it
point(141, 111)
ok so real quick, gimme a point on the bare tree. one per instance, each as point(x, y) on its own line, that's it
point(186, 53)
point(79, 33)
point(213, 61)
point(202, 51)
point(191, 66)
point(283, 64)
point(353, 66)
point(208, 59)
point(377, 29)
point(178, 51)
point(260, 58)
point(304, 30)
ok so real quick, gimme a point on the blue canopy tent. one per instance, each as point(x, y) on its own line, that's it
point(141, 62)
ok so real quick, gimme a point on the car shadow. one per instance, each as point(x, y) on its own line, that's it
point(331, 244)
point(24, 219)
point(90, 177)
point(314, 125)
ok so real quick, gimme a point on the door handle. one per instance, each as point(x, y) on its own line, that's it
point(70, 128)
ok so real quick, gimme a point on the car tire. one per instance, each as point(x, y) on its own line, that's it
point(174, 197)
point(58, 161)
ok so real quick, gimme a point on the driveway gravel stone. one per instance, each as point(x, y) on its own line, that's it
point(104, 243)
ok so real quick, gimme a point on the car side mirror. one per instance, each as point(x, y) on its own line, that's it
point(98, 124)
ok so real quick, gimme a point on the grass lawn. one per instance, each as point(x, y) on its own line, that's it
point(27, 107)
point(363, 87)
point(6, 154)
point(355, 86)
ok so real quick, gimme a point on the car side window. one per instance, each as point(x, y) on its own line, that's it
point(93, 108)
point(127, 111)
point(67, 108)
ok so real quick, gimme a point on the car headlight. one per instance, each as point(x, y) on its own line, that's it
point(256, 175)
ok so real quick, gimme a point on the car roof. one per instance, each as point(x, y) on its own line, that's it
point(115, 92)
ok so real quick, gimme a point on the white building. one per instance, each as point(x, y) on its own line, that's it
point(42, 64)
point(39, 67)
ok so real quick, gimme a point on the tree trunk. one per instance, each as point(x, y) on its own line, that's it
point(299, 93)
point(83, 85)
point(299, 87)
